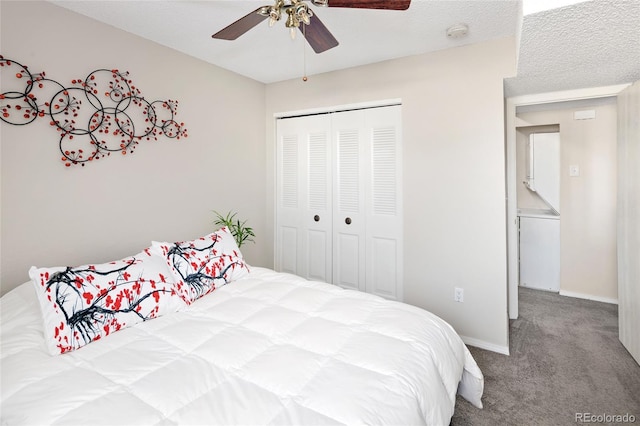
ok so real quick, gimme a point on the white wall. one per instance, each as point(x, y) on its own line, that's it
point(588, 265)
point(166, 190)
point(454, 173)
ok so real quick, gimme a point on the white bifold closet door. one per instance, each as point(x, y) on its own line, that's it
point(339, 215)
point(303, 185)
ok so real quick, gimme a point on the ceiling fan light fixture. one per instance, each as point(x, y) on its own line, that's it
point(292, 20)
point(303, 13)
point(274, 16)
point(292, 23)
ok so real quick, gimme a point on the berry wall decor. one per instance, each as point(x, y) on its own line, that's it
point(95, 116)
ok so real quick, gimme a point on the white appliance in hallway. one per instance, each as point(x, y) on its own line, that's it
point(543, 168)
point(539, 250)
point(539, 229)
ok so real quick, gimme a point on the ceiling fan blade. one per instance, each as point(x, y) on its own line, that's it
point(372, 4)
point(241, 26)
point(318, 36)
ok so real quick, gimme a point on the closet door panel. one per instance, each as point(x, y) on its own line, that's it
point(288, 240)
point(383, 279)
point(303, 221)
point(347, 270)
point(318, 266)
point(349, 202)
point(384, 202)
point(288, 253)
point(317, 208)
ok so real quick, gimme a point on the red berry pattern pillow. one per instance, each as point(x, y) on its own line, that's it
point(86, 303)
point(202, 265)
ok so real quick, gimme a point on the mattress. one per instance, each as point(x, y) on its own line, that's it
point(269, 348)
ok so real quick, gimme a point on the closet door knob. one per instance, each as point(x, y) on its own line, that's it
point(348, 221)
point(316, 218)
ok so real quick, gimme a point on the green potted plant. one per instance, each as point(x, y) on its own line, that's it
point(240, 231)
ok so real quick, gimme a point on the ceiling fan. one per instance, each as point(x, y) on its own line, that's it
point(300, 16)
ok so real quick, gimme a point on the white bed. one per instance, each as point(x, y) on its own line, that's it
point(269, 348)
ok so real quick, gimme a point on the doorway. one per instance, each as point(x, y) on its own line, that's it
point(514, 106)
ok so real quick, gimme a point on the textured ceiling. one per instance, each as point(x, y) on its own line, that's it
point(590, 44)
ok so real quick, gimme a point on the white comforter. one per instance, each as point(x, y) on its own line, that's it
point(267, 349)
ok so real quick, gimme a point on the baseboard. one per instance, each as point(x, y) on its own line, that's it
point(504, 350)
point(588, 297)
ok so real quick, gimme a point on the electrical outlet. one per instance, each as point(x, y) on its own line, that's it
point(458, 295)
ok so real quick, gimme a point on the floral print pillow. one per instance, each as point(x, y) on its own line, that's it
point(202, 265)
point(86, 303)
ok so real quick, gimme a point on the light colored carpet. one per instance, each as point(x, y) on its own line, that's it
point(565, 359)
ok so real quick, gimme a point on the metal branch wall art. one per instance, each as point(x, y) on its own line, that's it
point(95, 116)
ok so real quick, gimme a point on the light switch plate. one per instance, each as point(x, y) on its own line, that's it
point(574, 170)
